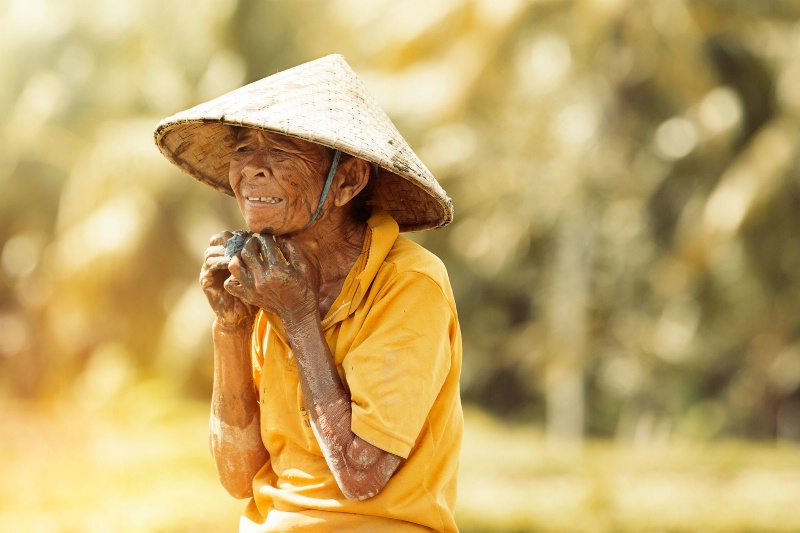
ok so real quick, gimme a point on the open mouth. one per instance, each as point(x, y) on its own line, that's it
point(264, 199)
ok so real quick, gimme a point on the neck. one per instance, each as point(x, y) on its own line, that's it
point(334, 244)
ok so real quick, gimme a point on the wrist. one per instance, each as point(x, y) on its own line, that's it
point(243, 326)
point(300, 325)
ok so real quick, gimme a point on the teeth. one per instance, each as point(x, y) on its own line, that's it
point(266, 199)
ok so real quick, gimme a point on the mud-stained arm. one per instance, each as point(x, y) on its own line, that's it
point(264, 277)
point(361, 470)
point(234, 425)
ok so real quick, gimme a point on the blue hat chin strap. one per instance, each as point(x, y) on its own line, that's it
point(332, 172)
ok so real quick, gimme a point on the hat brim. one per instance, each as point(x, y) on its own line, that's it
point(323, 102)
point(203, 148)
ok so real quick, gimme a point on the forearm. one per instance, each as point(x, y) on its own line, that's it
point(234, 425)
point(360, 469)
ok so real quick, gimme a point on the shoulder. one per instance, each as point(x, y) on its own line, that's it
point(410, 261)
point(409, 256)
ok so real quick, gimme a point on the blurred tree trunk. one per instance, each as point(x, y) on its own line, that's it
point(567, 327)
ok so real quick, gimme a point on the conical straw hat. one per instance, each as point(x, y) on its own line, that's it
point(322, 101)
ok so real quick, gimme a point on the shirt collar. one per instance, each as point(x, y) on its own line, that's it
point(379, 240)
point(381, 234)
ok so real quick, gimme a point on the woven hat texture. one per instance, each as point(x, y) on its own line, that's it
point(321, 101)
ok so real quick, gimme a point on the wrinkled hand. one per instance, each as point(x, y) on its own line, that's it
point(230, 310)
point(275, 276)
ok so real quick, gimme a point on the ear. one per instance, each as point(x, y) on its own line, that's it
point(353, 177)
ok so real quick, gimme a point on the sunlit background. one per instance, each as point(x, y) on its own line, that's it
point(625, 252)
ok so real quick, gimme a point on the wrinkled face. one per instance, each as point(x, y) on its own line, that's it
point(277, 180)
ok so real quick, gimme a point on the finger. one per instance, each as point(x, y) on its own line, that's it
point(212, 284)
point(234, 287)
point(214, 251)
point(290, 252)
point(237, 267)
point(251, 252)
point(221, 238)
point(260, 251)
point(213, 264)
point(272, 251)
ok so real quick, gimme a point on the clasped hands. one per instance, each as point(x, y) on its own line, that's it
point(269, 273)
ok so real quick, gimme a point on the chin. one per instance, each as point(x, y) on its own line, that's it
point(261, 228)
point(258, 224)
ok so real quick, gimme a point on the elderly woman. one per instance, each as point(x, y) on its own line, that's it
point(337, 350)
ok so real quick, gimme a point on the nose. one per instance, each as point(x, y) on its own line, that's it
point(256, 166)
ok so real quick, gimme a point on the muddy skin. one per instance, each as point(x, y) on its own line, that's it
point(296, 273)
point(227, 436)
point(277, 180)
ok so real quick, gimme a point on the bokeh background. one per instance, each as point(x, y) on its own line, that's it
point(625, 258)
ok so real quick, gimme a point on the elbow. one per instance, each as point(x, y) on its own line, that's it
point(367, 482)
point(358, 495)
point(236, 488)
point(361, 488)
point(235, 474)
point(238, 457)
point(238, 482)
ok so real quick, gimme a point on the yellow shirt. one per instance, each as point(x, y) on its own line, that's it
point(394, 334)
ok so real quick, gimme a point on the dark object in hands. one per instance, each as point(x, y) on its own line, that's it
point(236, 243)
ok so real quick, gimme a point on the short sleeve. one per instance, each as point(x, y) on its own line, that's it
point(399, 360)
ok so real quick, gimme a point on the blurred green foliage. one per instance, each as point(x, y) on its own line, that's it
point(625, 175)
